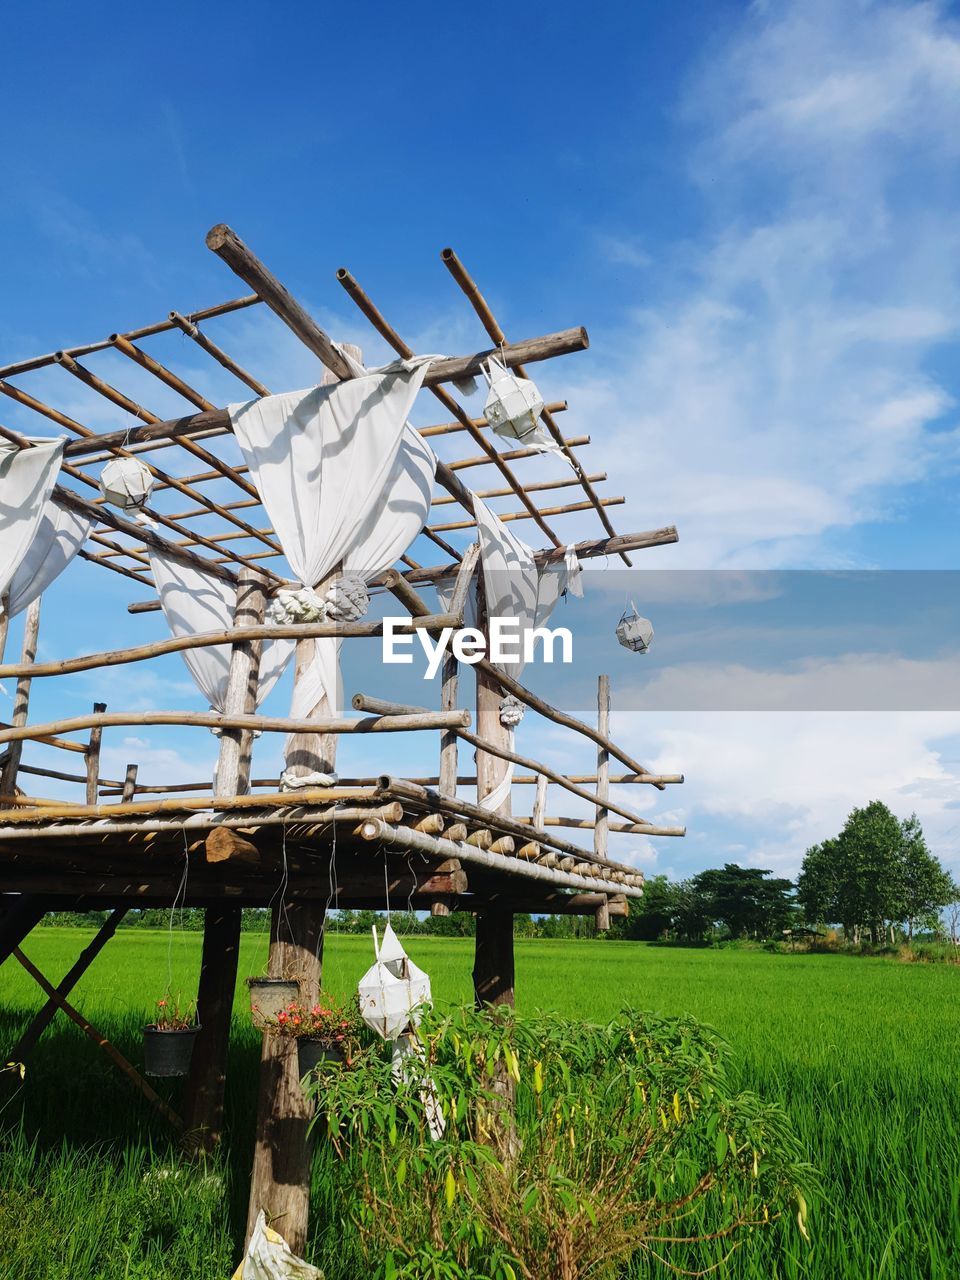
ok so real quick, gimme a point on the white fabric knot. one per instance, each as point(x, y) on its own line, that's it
point(511, 711)
point(348, 599)
point(290, 781)
point(303, 605)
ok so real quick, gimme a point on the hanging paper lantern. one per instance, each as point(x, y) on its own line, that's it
point(634, 632)
point(513, 404)
point(126, 482)
point(392, 989)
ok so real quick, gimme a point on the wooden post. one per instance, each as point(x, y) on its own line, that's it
point(493, 966)
point(602, 826)
point(540, 801)
point(21, 703)
point(280, 1181)
point(93, 756)
point(203, 1098)
point(4, 623)
point(129, 792)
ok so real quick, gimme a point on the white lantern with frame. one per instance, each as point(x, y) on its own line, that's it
point(393, 989)
point(513, 404)
point(126, 483)
point(633, 631)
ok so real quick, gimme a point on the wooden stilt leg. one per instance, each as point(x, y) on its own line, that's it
point(280, 1183)
point(493, 970)
point(206, 1084)
point(204, 1094)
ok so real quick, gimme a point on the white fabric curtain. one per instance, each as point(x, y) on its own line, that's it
point(344, 480)
point(192, 602)
point(27, 478)
point(514, 587)
point(60, 536)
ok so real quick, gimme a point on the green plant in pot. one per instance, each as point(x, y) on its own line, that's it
point(168, 1040)
point(326, 1032)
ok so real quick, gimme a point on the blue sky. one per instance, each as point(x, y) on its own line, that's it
point(751, 207)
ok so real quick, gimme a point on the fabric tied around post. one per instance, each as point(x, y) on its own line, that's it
point(514, 587)
point(345, 482)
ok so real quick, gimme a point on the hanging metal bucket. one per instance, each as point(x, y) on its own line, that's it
point(633, 631)
point(168, 1053)
point(269, 997)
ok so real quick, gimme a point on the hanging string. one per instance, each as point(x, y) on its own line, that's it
point(179, 897)
point(386, 883)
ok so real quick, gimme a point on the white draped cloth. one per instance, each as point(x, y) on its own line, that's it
point(60, 536)
point(514, 587)
point(345, 481)
point(192, 602)
point(27, 478)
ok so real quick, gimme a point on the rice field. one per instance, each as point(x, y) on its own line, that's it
point(862, 1052)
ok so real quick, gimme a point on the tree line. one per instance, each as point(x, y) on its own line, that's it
point(876, 880)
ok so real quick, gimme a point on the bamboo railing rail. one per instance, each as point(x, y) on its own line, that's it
point(207, 639)
point(263, 724)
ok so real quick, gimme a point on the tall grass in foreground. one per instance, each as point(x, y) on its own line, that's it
point(863, 1053)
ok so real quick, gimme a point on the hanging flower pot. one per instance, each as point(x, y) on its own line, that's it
point(168, 1041)
point(513, 404)
point(312, 1051)
point(634, 632)
point(126, 482)
point(269, 997)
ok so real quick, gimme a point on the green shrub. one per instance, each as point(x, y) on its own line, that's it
point(568, 1148)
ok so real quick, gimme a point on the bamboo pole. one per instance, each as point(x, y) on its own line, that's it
point(265, 724)
point(537, 486)
point(205, 313)
point(483, 744)
point(235, 635)
point(199, 822)
point(21, 700)
point(633, 828)
point(440, 847)
point(221, 804)
point(187, 326)
point(444, 474)
point(462, 780)
point(496, 334)
point(101, 1040)
point(566, 509)
point(603, 766)
point(466, 809)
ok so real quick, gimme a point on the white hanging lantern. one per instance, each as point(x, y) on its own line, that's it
point(634, 632)
point(126, 483)
point(393, 988)
point(513, 405)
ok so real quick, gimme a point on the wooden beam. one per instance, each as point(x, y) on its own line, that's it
point(265, 724)
point(99, 1039)
point(209, 639)
point(28, 1040)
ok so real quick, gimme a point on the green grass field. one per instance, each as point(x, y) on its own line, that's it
point(862, 1052)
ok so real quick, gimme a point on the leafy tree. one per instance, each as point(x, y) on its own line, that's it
point(652, 916)
point(744, 901)
point(877, 873)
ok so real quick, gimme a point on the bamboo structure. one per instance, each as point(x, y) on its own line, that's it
point(308, 842)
